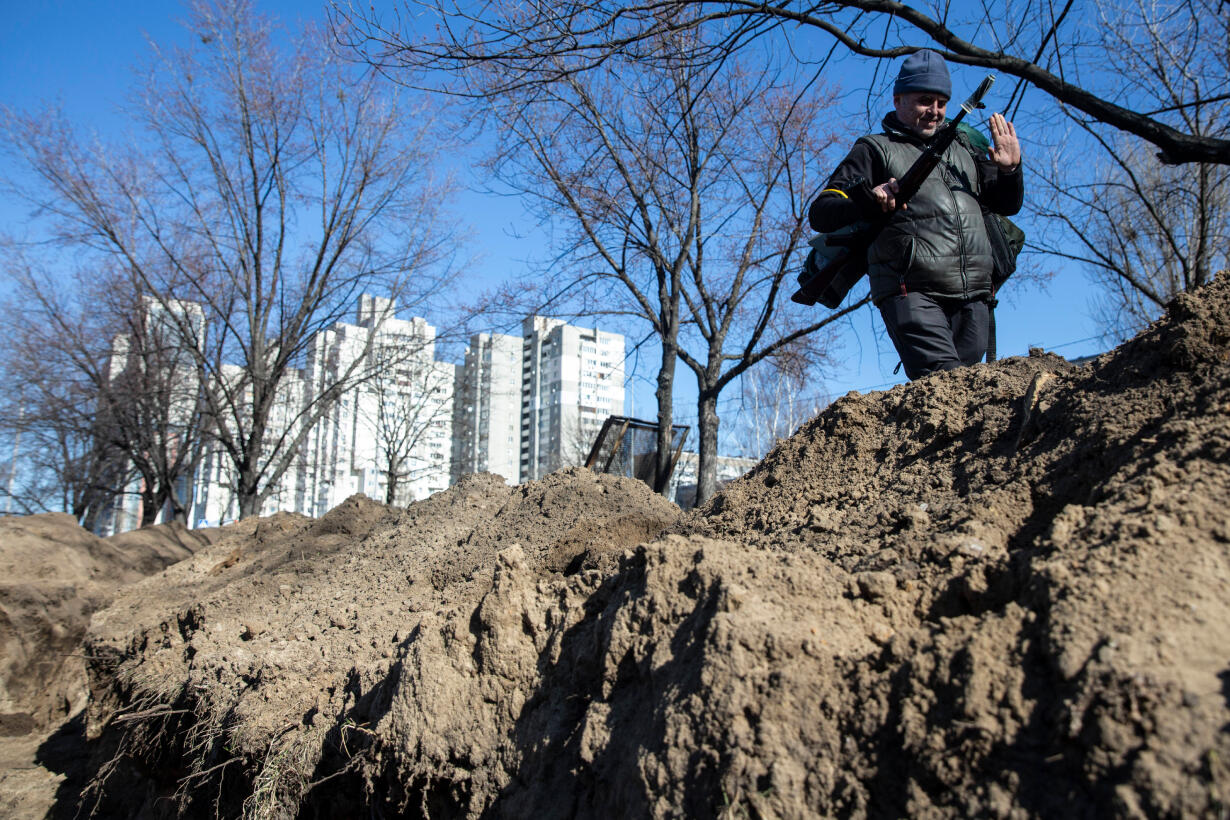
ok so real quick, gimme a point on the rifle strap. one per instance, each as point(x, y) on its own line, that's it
point(992, 303)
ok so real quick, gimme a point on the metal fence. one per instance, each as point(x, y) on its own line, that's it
point(626, 447)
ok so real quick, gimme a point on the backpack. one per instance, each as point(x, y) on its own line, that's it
point(1006, 237)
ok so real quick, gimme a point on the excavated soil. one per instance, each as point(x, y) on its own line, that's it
point(1001, 591)
point(53, 576)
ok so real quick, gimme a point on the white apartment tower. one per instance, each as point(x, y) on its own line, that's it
point(168, 338)
point(520, 407)
point(395, 426)
point(391, 423)
point(214, 499)
point(572, 378)
point(487, 409)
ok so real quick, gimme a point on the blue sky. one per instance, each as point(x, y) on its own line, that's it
point(79, 54)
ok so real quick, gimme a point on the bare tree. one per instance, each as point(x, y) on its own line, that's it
point(404, 406)
point(1141, 78)
point(1144, 230)
point(776, 399)
point(679, 193)
point(1050, 46)
point(60, 459)
point(273, 185)
point(106, 389)
point(154, 403)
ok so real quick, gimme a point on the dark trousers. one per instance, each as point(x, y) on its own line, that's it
point(932, 334)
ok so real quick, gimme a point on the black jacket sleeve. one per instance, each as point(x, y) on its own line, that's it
point(1003, 192)
point(847, 196)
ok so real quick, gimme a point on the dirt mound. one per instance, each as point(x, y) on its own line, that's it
point(55, 574)
point(1001, 591)
point(1054, 574)
point(278, 629)
point(152, 549)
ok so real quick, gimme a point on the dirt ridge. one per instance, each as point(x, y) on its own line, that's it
point(1000, 591)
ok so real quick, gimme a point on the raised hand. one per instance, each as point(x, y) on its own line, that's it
point(1005, 149)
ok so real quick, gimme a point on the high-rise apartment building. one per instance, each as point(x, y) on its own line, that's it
point(487, 408)
point(157, 361)
point(393, 428)
point(399, 425)
point(214, 500)
point(572, 378)
point(390, 427)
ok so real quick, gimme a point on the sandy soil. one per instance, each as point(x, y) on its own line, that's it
point(53, 576)
point(1002, 591)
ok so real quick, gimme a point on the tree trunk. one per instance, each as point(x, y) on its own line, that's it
point(88, 515)
point(180, 507)
point(179, 512)
point(390, 487)
point(249, 505)
point(706, 467)
point(151, 504)
point(666, 410)
point(248, 493)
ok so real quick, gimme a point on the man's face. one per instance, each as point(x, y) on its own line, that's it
point(921, 111)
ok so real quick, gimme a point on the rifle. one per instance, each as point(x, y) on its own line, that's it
point(837, 260)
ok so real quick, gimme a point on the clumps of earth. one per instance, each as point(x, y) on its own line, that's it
point(53, 576)
point(1000, 591)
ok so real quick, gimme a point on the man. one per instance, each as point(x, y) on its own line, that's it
point(930, 267)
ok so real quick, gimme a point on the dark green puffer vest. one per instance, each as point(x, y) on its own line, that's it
point(938, 245)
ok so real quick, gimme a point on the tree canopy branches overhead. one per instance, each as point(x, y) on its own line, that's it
point(104, 401)
point(1143, 230)
point(1056, 49)
point(69, 452)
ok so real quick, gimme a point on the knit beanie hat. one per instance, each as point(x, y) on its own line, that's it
point(924, 71)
